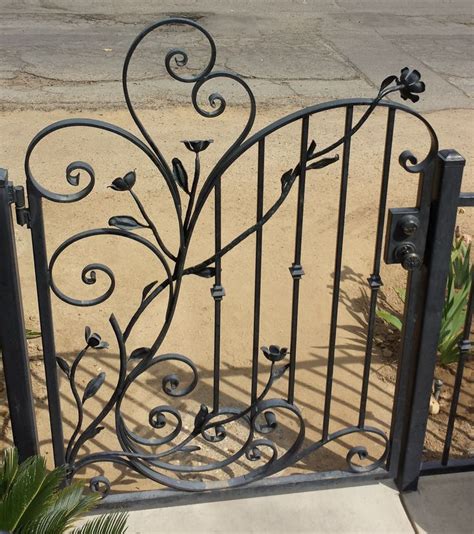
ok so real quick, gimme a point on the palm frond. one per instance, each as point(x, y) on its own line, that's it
point(115, 523)
point(47, 523)
point(27, 483)
point(31, 501)
point(8, 471)
point(45, 495)
point(74, 503)
point(64, 509)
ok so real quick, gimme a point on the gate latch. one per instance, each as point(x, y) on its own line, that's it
point(404, 242)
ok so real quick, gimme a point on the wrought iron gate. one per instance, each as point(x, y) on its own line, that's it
point(418, 238)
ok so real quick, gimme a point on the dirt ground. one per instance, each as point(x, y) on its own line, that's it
point(192, 331)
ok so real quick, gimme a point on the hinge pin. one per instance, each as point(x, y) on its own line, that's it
point(22, 213)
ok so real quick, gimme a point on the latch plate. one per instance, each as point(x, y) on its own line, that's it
point(404, 242)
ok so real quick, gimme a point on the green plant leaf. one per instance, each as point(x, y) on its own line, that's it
point(402, 293)
point(32, 334)
point(390, 318)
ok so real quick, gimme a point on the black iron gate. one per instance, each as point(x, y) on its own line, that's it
point(418, 238)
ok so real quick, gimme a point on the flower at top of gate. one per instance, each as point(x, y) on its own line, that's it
point(274, 353)
point(410, 79)
point(198, 145)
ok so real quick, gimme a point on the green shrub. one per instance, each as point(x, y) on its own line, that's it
point(454, 311)
point(34, 501)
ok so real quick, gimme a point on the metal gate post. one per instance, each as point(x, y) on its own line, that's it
point(446, 189)
point(12, 333)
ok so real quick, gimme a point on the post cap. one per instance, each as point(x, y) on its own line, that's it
point(451, 156)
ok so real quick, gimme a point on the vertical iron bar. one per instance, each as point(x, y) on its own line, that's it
point(258, 268)
point(464, 349)
point(337, 270)
point(217, 293)
point(422, 347)
point(296, 269)
point(13, 336)
point(374, 280)
point(46, 321)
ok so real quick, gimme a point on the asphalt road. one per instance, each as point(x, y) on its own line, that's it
point(69, 54)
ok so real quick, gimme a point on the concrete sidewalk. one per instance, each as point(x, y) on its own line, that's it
point(442, 504)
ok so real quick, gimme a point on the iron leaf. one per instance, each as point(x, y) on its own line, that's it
point(63, 365)
point(280, 371)
point(180, 174)
point(311, 149)
point(96, 431)
point(323, 163)
point(138, 354)
point(189, 448)
point(125, 222)
point(388, 80)
point(201, 417)
point(148, 288)
point(93, 386)
point(207, 272)
point(286, 180)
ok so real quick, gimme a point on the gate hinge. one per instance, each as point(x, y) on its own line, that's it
point(16, 194)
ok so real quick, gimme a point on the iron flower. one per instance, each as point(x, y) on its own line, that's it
point(94, 340)
point(124, 184)
point(410, 80)
point(198, 145)
point(274, 353)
